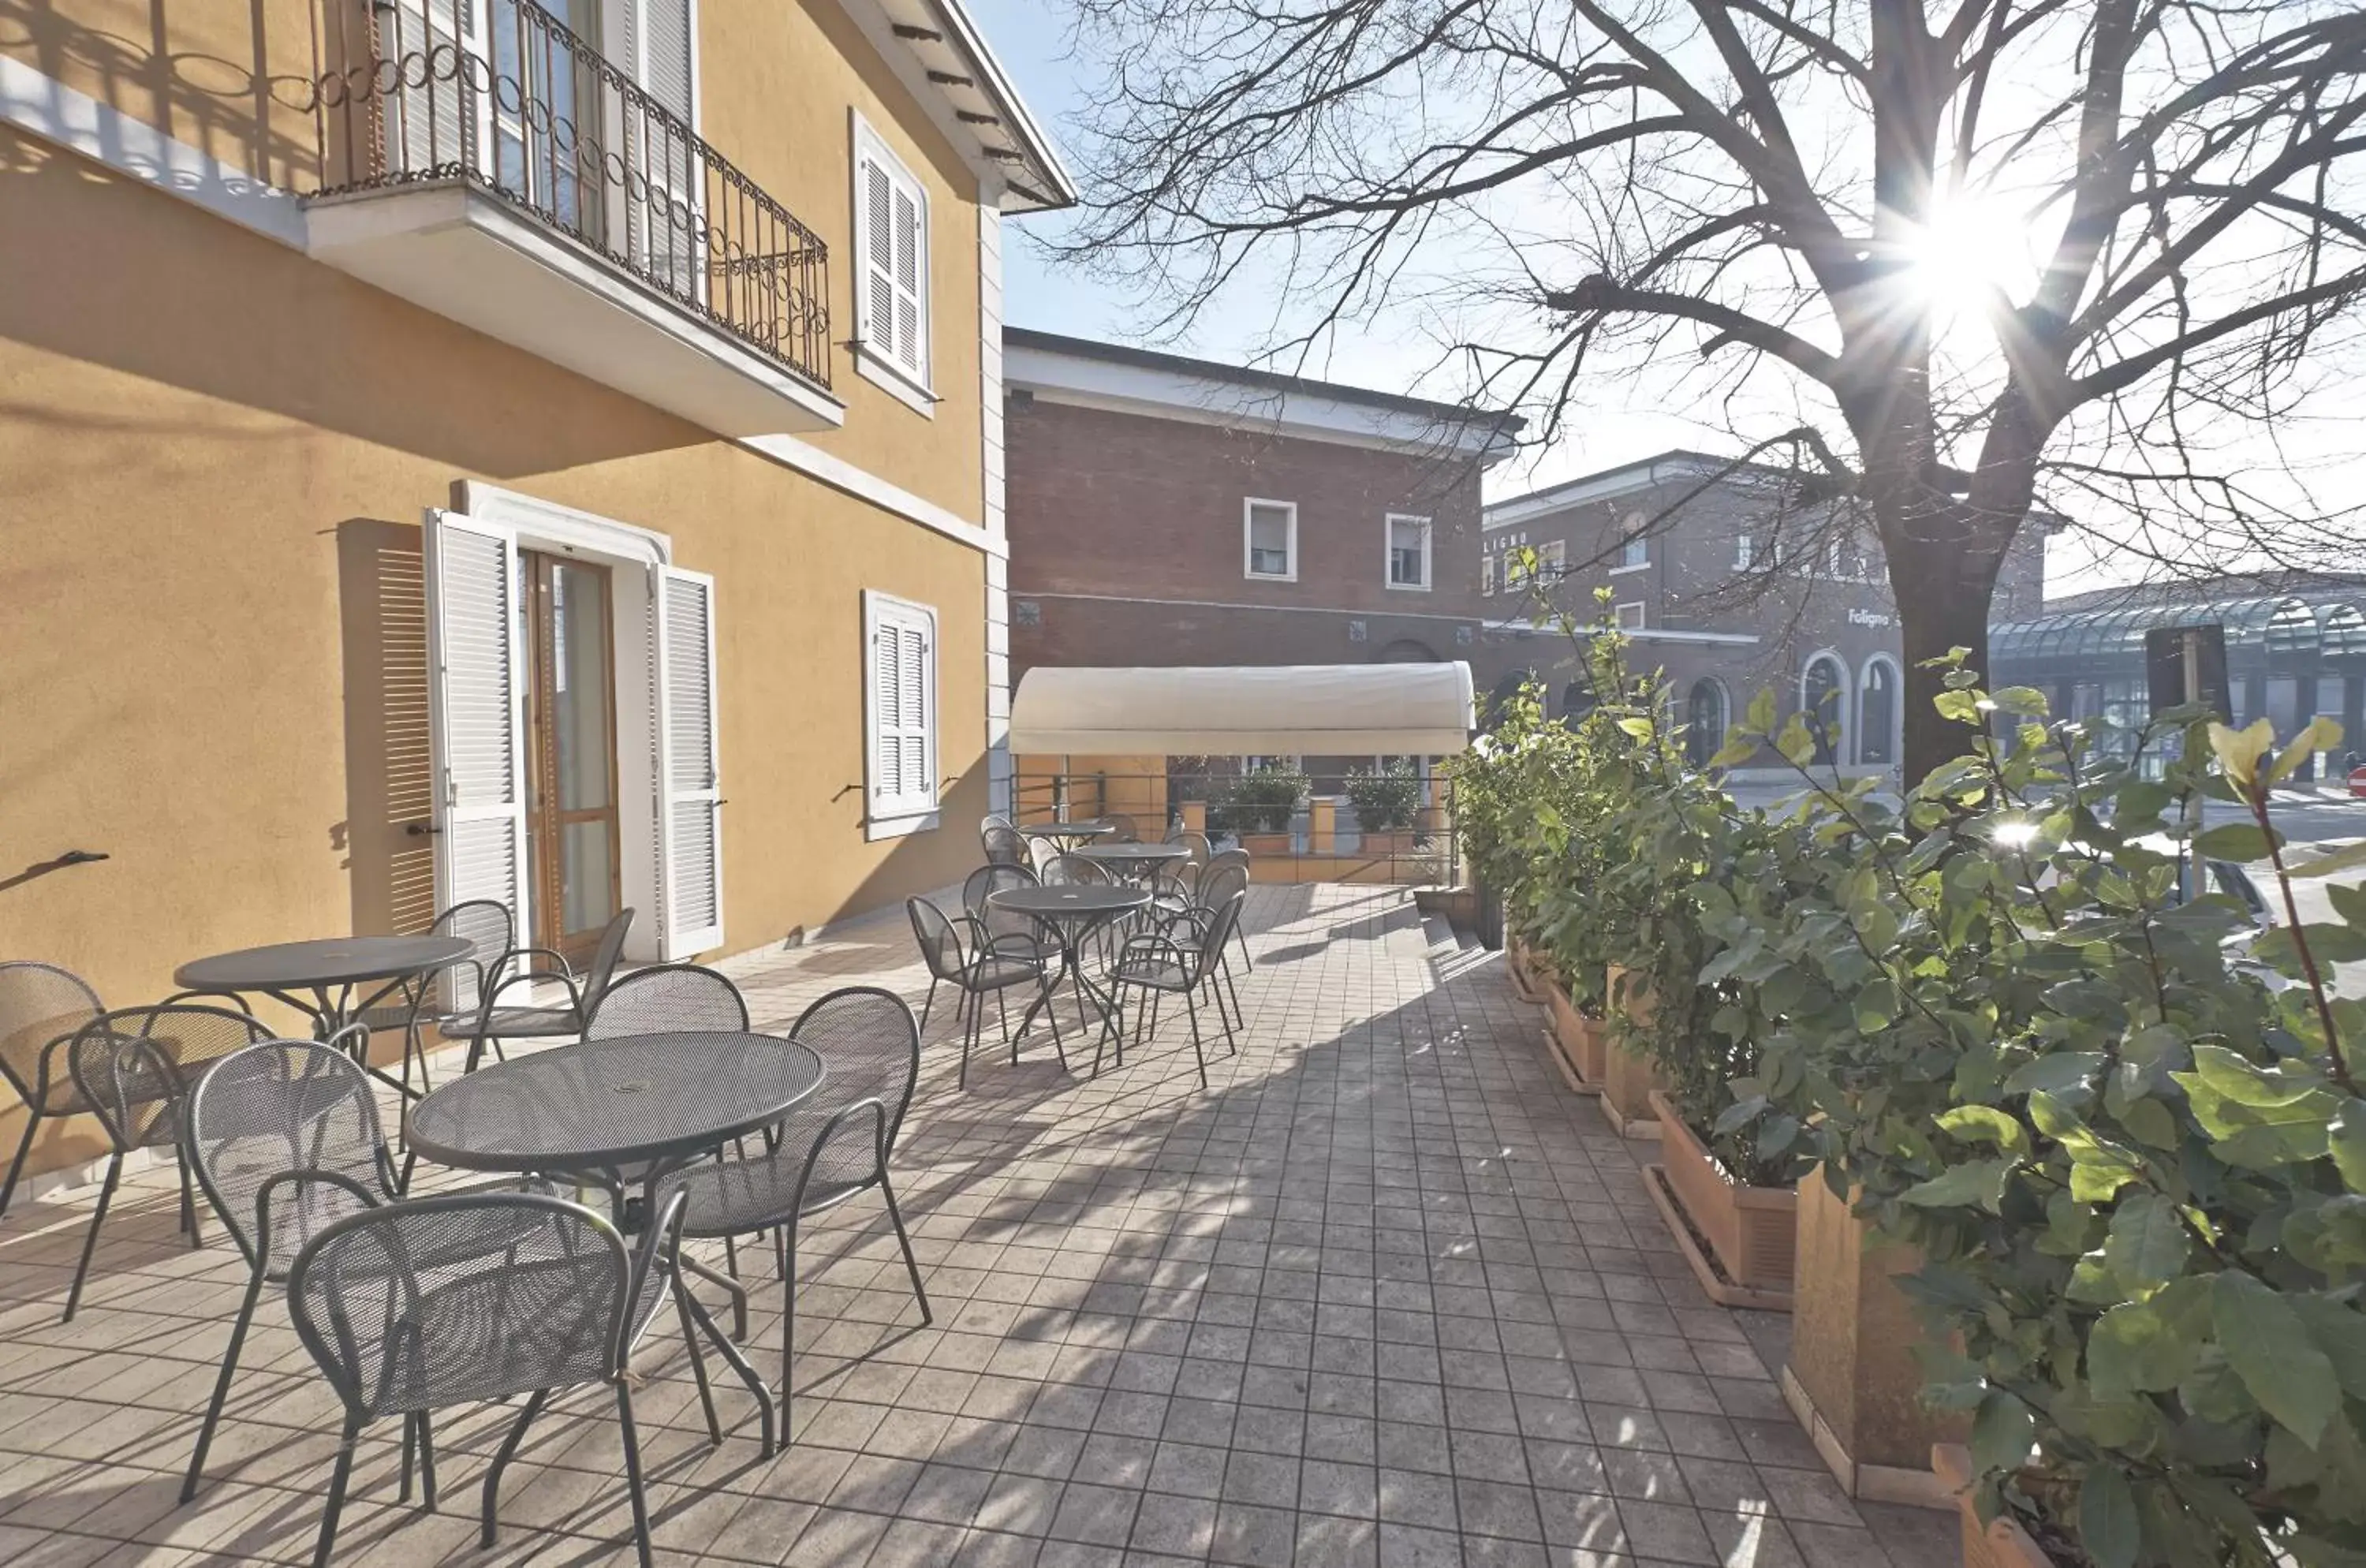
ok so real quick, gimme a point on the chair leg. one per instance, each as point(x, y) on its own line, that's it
point(1052, 1011)
point(698, 1360)
point(975, 1002)
point(338, 1480)
point(502, 1459)
point(1243, 937)
point(1191, 1006)
point(788, 1324)
point(221, 1383)
point(17, 1166)
point(930, 1003)
point(633, 1469)
point(427, 1464)
point(911, 1264)
point(409, 1454)
point(189, 1197)
point(1002, 1011)
point(756, 1387)
point(90, 1242)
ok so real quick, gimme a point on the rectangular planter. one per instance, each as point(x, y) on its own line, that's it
point(1752, 1232)
point(1395, 843)
point(2002, 1542)
point(1579, 1040)
point(1628, 1079)
point(1523, 974)
point(1275, 845)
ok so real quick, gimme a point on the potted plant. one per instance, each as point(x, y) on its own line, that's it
point(1385, 799)
point(1257, 808)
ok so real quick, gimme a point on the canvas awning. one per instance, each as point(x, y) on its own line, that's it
point(1304, 710)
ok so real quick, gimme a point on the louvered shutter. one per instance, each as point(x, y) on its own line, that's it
point(438, 119)
point(665, 226)
point(690, 821)
point(901, 708)
point(477, 712)
point(893, 299)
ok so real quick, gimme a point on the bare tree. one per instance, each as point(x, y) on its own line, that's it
point(1790, 198)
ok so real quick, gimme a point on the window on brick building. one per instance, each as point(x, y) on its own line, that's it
point(1269, 539)
point(1486, 574)
point(1408, 551)
point(1630, 616)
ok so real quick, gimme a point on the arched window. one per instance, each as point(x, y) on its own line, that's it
point(1705, 720)
point(1824, 697)
point(1876, 713)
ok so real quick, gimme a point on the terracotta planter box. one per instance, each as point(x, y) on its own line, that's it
point(1628, 1079)
point(1752, 1232)
point(2002, 1543)
point(1271, 844)
point(1578, 1041)
point(1398, 842)
point(1524, 976)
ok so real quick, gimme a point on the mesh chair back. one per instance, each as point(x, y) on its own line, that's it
point(446, 1301)
point(1072, 871)
point(41, 1005)
point(1220, 930)
point(941, 944)
point(1193, 839)
point(1220, 882)
point(1004, 844)
point(1238, 857)
point(665, 998)
point(486, 926)
point(133, 1065)
point(597, 978)
point(285, 1106)
point(979, 890)
point(1127, 832)
point(872, 1044)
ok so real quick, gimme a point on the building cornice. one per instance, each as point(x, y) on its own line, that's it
point(937, 51)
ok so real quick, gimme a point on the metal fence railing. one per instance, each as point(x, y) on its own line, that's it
point(1324, 839)
point(503, 96)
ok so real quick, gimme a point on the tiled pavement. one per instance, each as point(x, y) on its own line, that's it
point(1385, 1293)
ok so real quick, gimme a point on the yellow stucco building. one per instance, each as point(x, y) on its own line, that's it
point(546, 452)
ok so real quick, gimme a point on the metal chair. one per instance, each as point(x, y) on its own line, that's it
point(42, 1009)
point(1160, 964)
point(832, 1147)
point(451, 995)
point(1191, 838)
point(1128, 832)
point(1004, 844)
point(1074, 871)
point(422, 1306)
point(284, 1140)
point(1210, 890)
point(1004, 931)
point(494, 1023)
point(667, 998)
point(974, 968)
point(132, 1068)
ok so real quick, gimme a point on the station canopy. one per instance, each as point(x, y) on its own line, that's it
point(1305, 710)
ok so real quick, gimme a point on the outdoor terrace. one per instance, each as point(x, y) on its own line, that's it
point(1385, 1293)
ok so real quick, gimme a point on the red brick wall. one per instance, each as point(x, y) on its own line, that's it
point(1120, 503)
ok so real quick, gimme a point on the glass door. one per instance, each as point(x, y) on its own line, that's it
point(571, 836)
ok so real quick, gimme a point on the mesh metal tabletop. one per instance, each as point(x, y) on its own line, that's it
point(1132, 854)
point(1068, 902)
point(331, 961)
point(1089, 829)
point(614, 1102)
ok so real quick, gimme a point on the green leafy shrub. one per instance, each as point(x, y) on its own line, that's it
point(1385, 798)
point(1259, 801)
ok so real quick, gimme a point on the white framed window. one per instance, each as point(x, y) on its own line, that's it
point(1832, 559)
point(1487, 573)
point(891, 272)
point(1408, 542)
point(1553, 560)
point(1630, 616)
point(900, 714)
point(1743, 559)
point(1269, 539)
point(1634, 545)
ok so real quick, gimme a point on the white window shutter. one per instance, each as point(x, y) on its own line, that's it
point(690, 821)
point(477, 712)
point(427, 126)
point(900, 707)
point(911, 299)
point(892, 245)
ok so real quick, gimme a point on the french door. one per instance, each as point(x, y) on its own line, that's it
point(573, 851)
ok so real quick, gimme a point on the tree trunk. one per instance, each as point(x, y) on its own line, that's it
point(1942, 588)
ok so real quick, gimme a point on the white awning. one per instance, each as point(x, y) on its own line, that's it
point(1303, 710)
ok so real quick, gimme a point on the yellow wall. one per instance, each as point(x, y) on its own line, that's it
point(213, 456)
point(777, 79)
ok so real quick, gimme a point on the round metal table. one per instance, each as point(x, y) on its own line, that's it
point(318, 977)
point(1074, 914)
point(644, 1103)
point(1093, 828)
point(1133, 862)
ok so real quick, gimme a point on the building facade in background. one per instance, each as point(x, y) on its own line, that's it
point(1724, 579)
point(548, 453)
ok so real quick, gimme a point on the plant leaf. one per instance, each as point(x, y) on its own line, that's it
point(2241, 842)
point(2272, 1350)
point(2002, 1433)
point(2147, 1244)
point(2107, 1518)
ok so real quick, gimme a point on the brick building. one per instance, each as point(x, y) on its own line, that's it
point(1165, 510)
point(1728, 581)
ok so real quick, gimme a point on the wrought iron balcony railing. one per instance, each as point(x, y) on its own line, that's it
point(502, 95)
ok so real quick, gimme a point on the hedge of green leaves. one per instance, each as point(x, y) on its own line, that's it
point(2013, 1021)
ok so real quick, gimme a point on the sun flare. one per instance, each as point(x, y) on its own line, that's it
point(1970, 249)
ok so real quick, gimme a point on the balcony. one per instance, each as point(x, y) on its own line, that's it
point(510, 176)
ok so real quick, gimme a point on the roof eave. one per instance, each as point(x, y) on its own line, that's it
point(936, 48)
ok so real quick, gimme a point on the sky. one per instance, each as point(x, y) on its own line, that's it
point(1030, 38)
